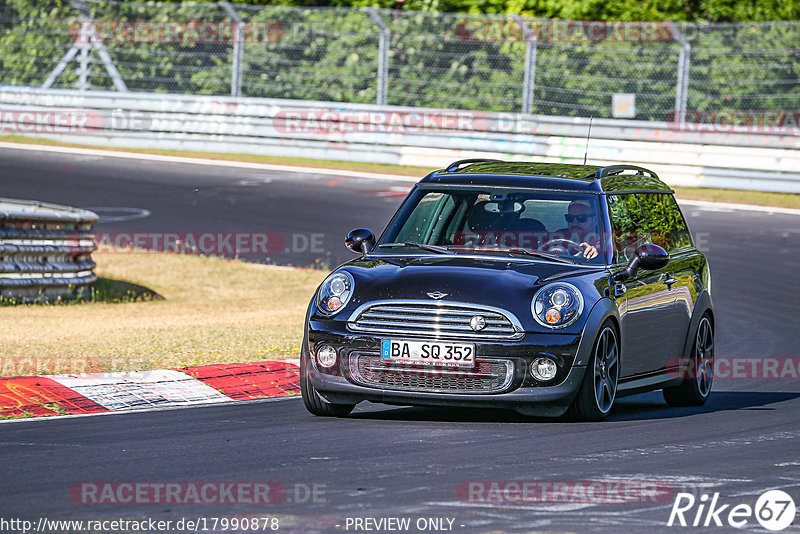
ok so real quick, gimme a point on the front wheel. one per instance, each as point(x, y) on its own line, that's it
point(695, 388)
point(314, 403)
point(599, 386)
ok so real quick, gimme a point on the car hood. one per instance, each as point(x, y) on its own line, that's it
point(499, 282)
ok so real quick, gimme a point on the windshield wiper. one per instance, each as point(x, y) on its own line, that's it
point(539, 255)
point(429, 248)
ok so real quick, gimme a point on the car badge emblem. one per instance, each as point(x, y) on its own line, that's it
point(477, 323)
point(437, 295)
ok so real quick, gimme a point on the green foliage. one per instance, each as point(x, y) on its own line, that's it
point(745, 67)
point(311, 54)
point(635, 10)
point(749, 10)
point(32, 39)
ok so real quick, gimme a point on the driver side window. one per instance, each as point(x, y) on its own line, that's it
point(426, 221)
point(629, 229)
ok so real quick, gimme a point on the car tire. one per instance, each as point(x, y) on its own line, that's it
point(599, 386)
point(312, 400)
point(696, 388)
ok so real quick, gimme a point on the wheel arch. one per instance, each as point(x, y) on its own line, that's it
point(704, 306)
point(603, 310)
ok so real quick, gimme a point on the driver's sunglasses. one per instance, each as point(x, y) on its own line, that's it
point(580, 218)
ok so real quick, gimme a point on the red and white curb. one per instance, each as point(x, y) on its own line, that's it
point(26, 396)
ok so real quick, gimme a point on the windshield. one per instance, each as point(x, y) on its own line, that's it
point(561, 226)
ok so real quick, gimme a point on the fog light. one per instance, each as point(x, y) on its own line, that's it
point(326, 356)
point(544, 369)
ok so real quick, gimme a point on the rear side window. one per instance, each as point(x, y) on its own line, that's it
point(667, 225)
point(628, 225)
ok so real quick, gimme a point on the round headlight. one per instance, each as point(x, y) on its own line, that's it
point(557, 305)
point(334, 293)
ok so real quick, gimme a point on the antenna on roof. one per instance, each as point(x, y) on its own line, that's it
point(588, 135)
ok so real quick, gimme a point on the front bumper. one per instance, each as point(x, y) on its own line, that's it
point(544, 401)
point(523, 393)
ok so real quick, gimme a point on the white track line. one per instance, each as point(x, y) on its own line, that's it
point(316, 170)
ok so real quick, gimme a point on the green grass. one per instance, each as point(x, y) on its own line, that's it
point(22, 415)
point(734, 196)
point(212, 310)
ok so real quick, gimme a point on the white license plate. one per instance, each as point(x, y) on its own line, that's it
point(429, 353)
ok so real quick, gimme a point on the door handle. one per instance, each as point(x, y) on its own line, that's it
point(669, 281)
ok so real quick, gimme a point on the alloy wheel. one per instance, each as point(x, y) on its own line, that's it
point(606, 369)
point(704, 357)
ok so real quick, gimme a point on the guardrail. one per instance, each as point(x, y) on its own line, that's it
point(683, 153)
point(45, 250)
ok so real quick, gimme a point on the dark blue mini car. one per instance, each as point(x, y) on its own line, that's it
point(542, 288)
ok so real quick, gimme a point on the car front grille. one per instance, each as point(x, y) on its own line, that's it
point(437, 319)
point(488, 376)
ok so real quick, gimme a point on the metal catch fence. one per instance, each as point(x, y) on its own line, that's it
point(646, 71)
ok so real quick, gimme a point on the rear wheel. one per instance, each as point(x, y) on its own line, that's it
point(599, 386)
point(696, 387)
point(312, 400)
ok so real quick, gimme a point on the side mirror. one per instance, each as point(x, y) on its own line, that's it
point(648, 257)
point(360, 240)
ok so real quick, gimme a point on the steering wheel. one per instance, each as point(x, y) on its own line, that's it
point(563, 246)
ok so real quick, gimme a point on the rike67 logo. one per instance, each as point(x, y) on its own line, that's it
point(774, 510)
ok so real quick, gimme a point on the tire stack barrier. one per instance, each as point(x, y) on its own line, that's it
point(45, 251)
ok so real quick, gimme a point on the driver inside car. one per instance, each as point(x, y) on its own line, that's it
point(581, 228)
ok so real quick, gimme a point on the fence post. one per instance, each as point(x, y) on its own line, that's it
point(529, 77)
point(682, 83)
point(238, 49)
point(383, 55)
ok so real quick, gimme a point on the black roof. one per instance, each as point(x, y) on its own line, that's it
point(555, 176)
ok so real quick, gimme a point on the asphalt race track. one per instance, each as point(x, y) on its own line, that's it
point(403, 462)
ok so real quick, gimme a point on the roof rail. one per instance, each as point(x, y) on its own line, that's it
point(453, 167)
point(616, 169)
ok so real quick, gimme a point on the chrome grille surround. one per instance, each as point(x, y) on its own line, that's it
point(440, 319)
point(488, 376)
